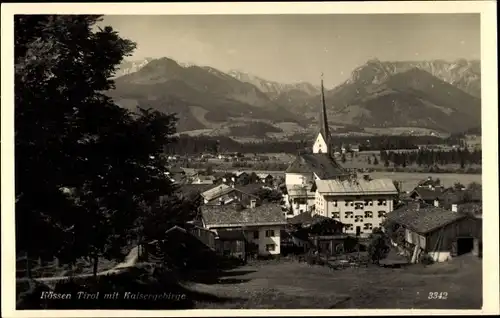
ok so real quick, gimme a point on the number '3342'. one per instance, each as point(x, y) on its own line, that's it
point(437, 295)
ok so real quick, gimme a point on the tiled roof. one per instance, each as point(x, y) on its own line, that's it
point(217, 191)
point(296, 190)
point(176, 170)
point(193, 188)
point(239, 173)
point(263, 175)
point(427, 193)
point(249, 188)
point(189, 171)
point(357, 186)
point(223, 189)
point(475, 209)
point(423, 219)
point(230, 215)
point(306, 218)
point(323, 165)
point(429, 181)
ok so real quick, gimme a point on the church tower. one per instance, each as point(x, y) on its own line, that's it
point(322, 142)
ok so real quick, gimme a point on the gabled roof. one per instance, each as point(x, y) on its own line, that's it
point(357, 187)
point(231, 216)
point(223, 189)
point(264, 175)
point(426, 193)
point(306, 218)
point(216, 192)
point(249, 189)
point(297, 190)
point(429, 182)
point(423, 219)
point(239, 173)
point(323, 165)
point(194, 188)
point(473, 209)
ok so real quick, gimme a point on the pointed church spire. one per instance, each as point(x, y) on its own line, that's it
point(323, 120)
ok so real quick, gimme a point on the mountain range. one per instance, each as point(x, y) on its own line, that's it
point(438, 95)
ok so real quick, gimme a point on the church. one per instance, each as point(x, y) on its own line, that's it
point(309, 167)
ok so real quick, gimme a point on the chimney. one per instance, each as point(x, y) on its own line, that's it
point(253, 203)
point(436, 203)
point(454, 208)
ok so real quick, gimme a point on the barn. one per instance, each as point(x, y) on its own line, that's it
point(437, 232)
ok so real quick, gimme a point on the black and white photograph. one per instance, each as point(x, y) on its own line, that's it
point(306, 160)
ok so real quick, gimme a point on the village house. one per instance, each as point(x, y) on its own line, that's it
point(224, 194)
point(260, 224)
point(307, 167)
point(437, 232)
point(301, 199)
point(239, 176)
point(200, 179)
point(312, 230)
point(359, 203)
point(428, 194)
point(265, 178)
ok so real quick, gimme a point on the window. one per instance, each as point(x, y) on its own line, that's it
point(349, 215)
point(349, 227)
point(255, 235)
point(335, 203)
point(368, 203)
point(269, 233)
point(270, 247)
point(368, 226)
point(368, 214)
point(358, 218)
point(381, 214)
point(336, 215)
point(382, 202)
point(359, 206)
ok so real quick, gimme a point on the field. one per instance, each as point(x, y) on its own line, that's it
point(410, 180)
point(293, 285)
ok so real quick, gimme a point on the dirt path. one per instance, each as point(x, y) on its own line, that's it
point(130, 260)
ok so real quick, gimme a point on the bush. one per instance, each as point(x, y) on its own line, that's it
point(379, 245)
point(350, 244)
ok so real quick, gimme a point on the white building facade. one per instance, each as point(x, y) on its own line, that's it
point(359, 204)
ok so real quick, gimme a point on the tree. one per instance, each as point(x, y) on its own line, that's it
point(268, 195)
point(72, 137)
point(379, 245)
point(474, 186)
point(253, 178)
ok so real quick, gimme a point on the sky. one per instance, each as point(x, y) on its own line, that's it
point(294, 48)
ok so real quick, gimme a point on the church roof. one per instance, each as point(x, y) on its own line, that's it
point(323, 165)
point(323, 121)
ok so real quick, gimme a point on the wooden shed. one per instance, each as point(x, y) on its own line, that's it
point(437, 232)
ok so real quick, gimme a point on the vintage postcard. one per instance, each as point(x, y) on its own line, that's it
point(213, 159)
